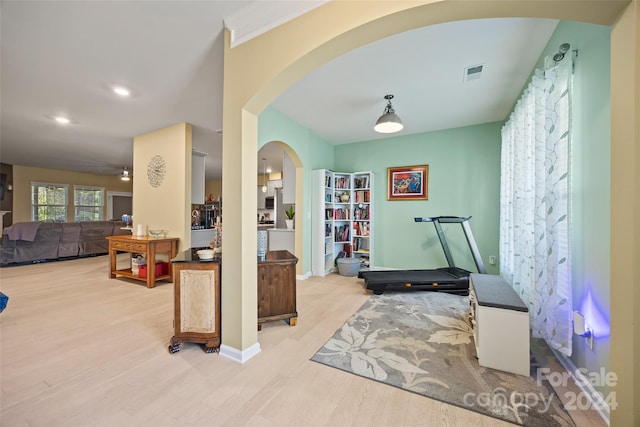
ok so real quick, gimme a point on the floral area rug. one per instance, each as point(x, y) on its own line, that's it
point(422, 342)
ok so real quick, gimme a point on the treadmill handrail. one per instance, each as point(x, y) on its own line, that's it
point(442, 219)
point(437, 220)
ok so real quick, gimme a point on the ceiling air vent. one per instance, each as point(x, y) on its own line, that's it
point(473, 73)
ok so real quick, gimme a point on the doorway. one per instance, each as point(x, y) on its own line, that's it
point(118, 204)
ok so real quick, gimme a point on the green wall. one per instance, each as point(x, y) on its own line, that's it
point(464, 180)
point(312, 151)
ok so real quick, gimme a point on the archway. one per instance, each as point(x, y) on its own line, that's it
point(291, 165)
point(257, 71)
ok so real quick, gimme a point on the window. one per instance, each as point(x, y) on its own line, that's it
point(49, 202)
point(88, 203)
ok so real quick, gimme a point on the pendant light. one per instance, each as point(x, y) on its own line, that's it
point(388, 122)
point(264, 171)
point(125, 175)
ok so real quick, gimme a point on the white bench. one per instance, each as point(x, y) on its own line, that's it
point(500, 323)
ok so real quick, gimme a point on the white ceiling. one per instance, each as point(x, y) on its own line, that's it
point(61, 58)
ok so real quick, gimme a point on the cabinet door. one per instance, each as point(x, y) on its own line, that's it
point(276, 289)
point(197, 302)
point(272, 185)
point(261, 197)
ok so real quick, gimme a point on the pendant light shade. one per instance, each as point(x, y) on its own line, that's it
point(125, 175)
point(389, 122)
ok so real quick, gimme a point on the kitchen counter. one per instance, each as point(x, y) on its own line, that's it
point(278, 257)
point(190, 255)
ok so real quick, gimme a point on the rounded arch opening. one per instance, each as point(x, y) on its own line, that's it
point(291, 195)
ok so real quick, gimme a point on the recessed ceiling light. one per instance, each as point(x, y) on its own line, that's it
point(122, 91)
point(62, 120)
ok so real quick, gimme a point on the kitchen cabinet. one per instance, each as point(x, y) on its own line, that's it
point(272, 185)
point(261, 197)
point(197, 178)
point(271, 191)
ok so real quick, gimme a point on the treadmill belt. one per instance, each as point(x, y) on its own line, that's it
point(403, 276)
point(450, 279)
point(446, 279)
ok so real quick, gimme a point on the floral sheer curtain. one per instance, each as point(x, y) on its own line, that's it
point(534, 203)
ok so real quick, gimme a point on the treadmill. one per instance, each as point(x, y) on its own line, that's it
point(449, 279)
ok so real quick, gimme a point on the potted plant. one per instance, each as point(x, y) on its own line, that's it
point(290, 213)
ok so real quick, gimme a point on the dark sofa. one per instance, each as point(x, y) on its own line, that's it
point(60, 240)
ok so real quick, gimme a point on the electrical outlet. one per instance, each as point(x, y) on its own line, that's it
point(492, 259)
point(590, 338)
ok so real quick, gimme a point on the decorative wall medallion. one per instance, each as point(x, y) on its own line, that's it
point(156, 170)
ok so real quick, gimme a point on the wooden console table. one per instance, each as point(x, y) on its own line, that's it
point(149, 246)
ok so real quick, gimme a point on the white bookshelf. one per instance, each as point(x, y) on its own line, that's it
point(342, 215)
point(362, 213)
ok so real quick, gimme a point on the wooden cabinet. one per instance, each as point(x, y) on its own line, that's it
point(196, 304)
point(277, 288)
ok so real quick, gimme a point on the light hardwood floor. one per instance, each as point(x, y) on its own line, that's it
point(79, 349)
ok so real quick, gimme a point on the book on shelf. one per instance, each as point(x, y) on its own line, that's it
point(361, 181)
point(341, 182)
point(341, 214)
point(361, 228)
point(364, 261)
point(360, 244)
point(361, 213)
point(362, 196)
point(347, 249)
point(342, 233)
point(364, 228)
